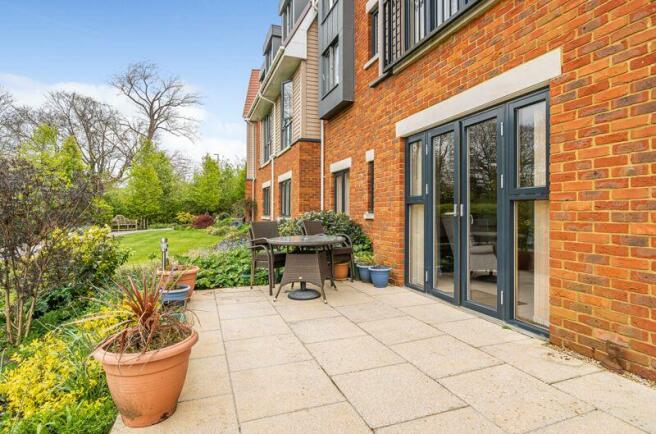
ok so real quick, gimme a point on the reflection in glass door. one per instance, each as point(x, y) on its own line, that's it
point(481, 223)
point(445, 217)
point(416, 215)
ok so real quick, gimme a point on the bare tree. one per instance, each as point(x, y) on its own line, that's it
point(160, 101)
point(107, 146)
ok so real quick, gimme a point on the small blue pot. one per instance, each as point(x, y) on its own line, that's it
point(380, 275)
point(363, 271)
point(177, 295)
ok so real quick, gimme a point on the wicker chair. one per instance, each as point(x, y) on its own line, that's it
point(262, 254)
point(343, 252)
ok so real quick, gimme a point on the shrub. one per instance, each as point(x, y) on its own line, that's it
point(202, 221)
point(334, 223)
point(365, 258)
point(227, 269)
point(184, 218)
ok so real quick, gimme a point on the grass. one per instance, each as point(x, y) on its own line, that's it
point(144, 246)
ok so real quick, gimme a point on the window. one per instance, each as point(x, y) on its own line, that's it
point(373, 36)
point(266, 201)
point(415, 20)
point(287, 111)
point(328, 5)
point(288, 19)
point(370, 187)
point(330, 77)
point(286, 198)
point(416, 169)
point(342, 192)
point(266, 138)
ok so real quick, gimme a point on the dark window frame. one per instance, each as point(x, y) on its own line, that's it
point(267, 138)
point(330, 78)
point(373, 32)
point(371, 185)
point(286, 122)
point(266, 201)
point(285, 188)
point(340, 181)
point(288, 20)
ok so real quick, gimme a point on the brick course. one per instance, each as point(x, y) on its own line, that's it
point(603, 154)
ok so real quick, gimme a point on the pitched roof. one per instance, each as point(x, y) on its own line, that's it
point(253, 87)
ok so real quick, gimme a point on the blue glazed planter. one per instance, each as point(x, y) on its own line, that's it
point(363, 271)
point(177, 295)
point(380, 275)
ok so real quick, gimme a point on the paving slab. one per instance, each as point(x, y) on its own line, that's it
point(240, 297)
point(621, 397)
point(300, 311)
point(246, 328)
point(590, 423)
point(394, 394)
point(538, 359)
point(265, 351)
point(369, 289)
point(462, 421)
point(352, 354)
point(203, 416)
point(204, 318)
point(206, 377)
point(436, 313)
point(246, 310)
point(443, 356)
point(403, 299)
point(209, 344)
point(479, 332)
point(281, 389)
point(397, 330)
point(369, 312)
point(513, 400)
point(325, 329)
point(329, 419)
point(348, 297)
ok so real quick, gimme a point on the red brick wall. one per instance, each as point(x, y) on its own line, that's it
point(603, 154)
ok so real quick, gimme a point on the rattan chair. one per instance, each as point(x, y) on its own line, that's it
point(262, 254)
point(343, 252)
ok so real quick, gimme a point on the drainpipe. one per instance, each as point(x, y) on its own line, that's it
point(322, 163)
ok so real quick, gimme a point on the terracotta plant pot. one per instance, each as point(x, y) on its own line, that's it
point(184, 277)
point(146, 387)
point(341, 271)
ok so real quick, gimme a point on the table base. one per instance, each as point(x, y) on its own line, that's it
point(304, 293)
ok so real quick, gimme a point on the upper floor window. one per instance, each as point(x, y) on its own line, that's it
point(286, 198)
point(406, 23)
point(288, 19)
point(373, 33)
point(328, 6)
point(287, 112)
point(330, 77)
point(266, 138)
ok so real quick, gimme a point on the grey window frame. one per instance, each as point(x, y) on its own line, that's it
point(267, 138)
point(373, 33)
point(330, 58)
point(266, 201)
point(286, 122)
point(285, 188)
point(339, 181)
point(288, 19)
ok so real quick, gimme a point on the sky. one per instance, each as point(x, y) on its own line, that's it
point(79, 45)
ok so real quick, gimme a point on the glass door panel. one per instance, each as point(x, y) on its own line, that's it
point(481, 219)
point(445, 219)
point(416, 245)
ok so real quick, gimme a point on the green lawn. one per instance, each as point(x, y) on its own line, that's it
point(145, 244)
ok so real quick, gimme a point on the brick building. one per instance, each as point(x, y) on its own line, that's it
point(510, 151)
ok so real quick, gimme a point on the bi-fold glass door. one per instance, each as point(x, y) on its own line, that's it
point(477, 211)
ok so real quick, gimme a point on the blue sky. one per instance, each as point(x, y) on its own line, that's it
point(79, 45)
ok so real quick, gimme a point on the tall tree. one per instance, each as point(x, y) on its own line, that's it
point(160, 101)
point(206, 187)
point(144, 191)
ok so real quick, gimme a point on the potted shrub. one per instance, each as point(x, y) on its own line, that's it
point(341, 270)
point(380, 275)
point(146, 361)
point(364, 260)
point(181, 274)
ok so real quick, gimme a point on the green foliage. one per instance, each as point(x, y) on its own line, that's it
point(205, 190)
point(365, 258)
point(184, 218)
point(227, 269)
point(144, 246)
point(144, 193)
point(334, 223)
point(226, 230)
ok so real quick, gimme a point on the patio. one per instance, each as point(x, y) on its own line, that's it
point(388, 360)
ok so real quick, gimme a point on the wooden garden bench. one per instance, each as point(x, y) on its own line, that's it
point(122, 223)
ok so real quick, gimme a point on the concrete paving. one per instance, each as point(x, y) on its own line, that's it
point(386, 361)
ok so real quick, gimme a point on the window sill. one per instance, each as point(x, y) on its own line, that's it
point(370, 62)
point(266, 217)
point(368, 216)
point(282, 151)
point(265, 164)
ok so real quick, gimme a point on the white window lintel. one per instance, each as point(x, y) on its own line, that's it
point(369, 155)
point(285, 176)
point(340, 165)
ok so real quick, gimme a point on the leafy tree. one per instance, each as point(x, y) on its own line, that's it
point(205, 194)
point(144, 190)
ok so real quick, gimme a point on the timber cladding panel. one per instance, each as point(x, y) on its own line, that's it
point(603, 154)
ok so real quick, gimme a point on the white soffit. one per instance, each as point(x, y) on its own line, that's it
point(526, 77)
point(285, 176)
point(266, 184)
point(369, 155)
point(340, 165)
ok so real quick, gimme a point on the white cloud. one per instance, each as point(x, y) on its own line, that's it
point(215, 135)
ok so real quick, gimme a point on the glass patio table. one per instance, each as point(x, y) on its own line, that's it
point(308, 263)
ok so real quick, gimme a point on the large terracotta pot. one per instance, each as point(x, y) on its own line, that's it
point(341, 271)
point(146, 387)
point(186, 277)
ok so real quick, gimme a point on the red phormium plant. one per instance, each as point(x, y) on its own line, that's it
point(149, 326)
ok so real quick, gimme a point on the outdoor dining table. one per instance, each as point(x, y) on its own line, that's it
point(308, 263)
